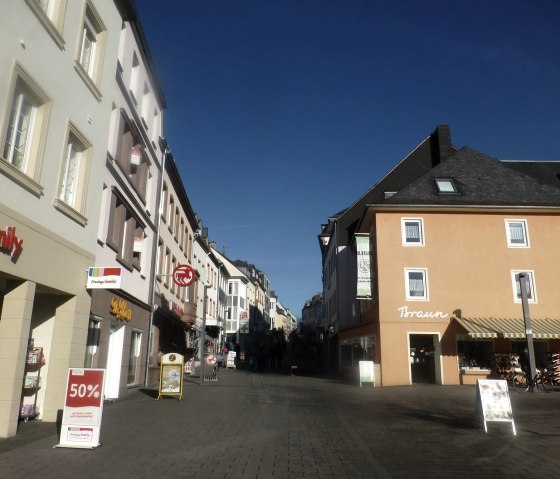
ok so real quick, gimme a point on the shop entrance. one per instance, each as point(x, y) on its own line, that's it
point(114, 361)
point(422, 357)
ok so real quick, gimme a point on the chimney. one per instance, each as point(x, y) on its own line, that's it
point(440, 141)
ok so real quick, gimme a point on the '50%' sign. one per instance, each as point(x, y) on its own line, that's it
point(84, 388)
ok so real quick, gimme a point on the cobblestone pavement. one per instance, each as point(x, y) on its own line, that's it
point(250, 425)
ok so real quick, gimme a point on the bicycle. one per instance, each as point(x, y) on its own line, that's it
point(521, 383)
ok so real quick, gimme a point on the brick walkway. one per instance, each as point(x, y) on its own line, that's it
point(267, 426)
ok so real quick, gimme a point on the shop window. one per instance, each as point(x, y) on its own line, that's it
point(530, 282)
point(475, 354)
point(412, 232)
point(416, 284)
point(134, 357)
point(517, 235)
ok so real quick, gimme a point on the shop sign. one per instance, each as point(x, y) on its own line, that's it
point(175, 308)
point(9, 243)
point(83, 408)
point(183, 275)
point(106, 278)
point(119, 309)
point(405, 313)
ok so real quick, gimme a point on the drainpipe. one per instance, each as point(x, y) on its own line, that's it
point(155, 256)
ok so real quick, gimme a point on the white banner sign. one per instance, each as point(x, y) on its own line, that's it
point(364, 254)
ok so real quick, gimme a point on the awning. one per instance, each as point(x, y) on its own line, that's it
point(513, 328)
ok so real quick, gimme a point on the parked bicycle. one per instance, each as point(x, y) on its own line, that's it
point(542, 380)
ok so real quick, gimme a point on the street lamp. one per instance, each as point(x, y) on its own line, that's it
point(523, 285)
point(202, 340)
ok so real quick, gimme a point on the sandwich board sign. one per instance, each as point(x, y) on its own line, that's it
point(366, 373)
point(493, 403)
point(171, 375)
point(83, 408)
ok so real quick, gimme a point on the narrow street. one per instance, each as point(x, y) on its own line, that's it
point(249, 425)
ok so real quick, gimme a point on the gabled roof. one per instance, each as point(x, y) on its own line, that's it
point(483, 180)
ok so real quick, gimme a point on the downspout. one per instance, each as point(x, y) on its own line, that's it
point(155, 256)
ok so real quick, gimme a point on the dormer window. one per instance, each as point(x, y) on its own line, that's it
point(445, 186)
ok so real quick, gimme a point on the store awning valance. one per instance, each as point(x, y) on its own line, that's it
point(512, 328)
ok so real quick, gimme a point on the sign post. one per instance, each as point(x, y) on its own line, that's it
point(83, 408)
point(171, 375)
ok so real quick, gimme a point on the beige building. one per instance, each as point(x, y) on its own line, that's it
point(57, 67)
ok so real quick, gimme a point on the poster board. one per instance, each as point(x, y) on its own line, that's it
point(366, 373)
point(171, 375)
point(83, 408)
point(230, 363)
point(493, 403)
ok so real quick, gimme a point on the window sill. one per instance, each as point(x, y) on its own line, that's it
point(21, 178)
point(46, 22)
point(70, 212)
point(87, 80)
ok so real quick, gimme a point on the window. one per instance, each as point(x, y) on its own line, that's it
point(92, 40)
point(416, 284)
point(74, 170)
point(412, 232)
point(123, 230)
point(516, 232)
point(445, 186)
point(131, 157)
point(531, 290)
point(133, 360)
point(25, 132)
point(51, 15)
point(134, 77)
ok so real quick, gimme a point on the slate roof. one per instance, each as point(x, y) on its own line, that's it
point(483, 180)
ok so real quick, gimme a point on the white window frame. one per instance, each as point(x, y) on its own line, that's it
point(532, 285)
point(420, 222)
point(526, 243)
point(50, 14)
point(424, 273)
point(90, 71)
point(27, 173)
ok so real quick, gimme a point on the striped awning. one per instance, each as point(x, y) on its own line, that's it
point(511, 328)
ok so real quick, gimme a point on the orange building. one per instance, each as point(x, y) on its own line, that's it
point(438, 263)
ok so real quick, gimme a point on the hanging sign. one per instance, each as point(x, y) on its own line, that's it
point(10, 244)
point(83, 408)
point(171, 375)
point(364, 254)
point(366, 373)
point(107, 278)
point(493, 403)
point(183, 275)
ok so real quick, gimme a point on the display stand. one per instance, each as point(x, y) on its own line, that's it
point(493, 403)
point(31, 383)
point(366, 373)
point(171, 375)
point(230, 363)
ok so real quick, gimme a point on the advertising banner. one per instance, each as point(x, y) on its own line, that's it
point(364, 255)
point(83, 408)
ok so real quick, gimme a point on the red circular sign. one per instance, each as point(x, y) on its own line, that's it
point(211, 360)
point(183, 275)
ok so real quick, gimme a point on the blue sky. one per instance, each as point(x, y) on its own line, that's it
point(281, 113)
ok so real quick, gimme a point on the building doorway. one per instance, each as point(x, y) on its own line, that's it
point(424, 358)
point(114, 361)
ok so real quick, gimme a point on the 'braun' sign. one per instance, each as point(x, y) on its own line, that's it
point(405, 313)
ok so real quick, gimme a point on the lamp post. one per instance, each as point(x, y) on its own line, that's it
point(202, 340)
point(523, 285)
